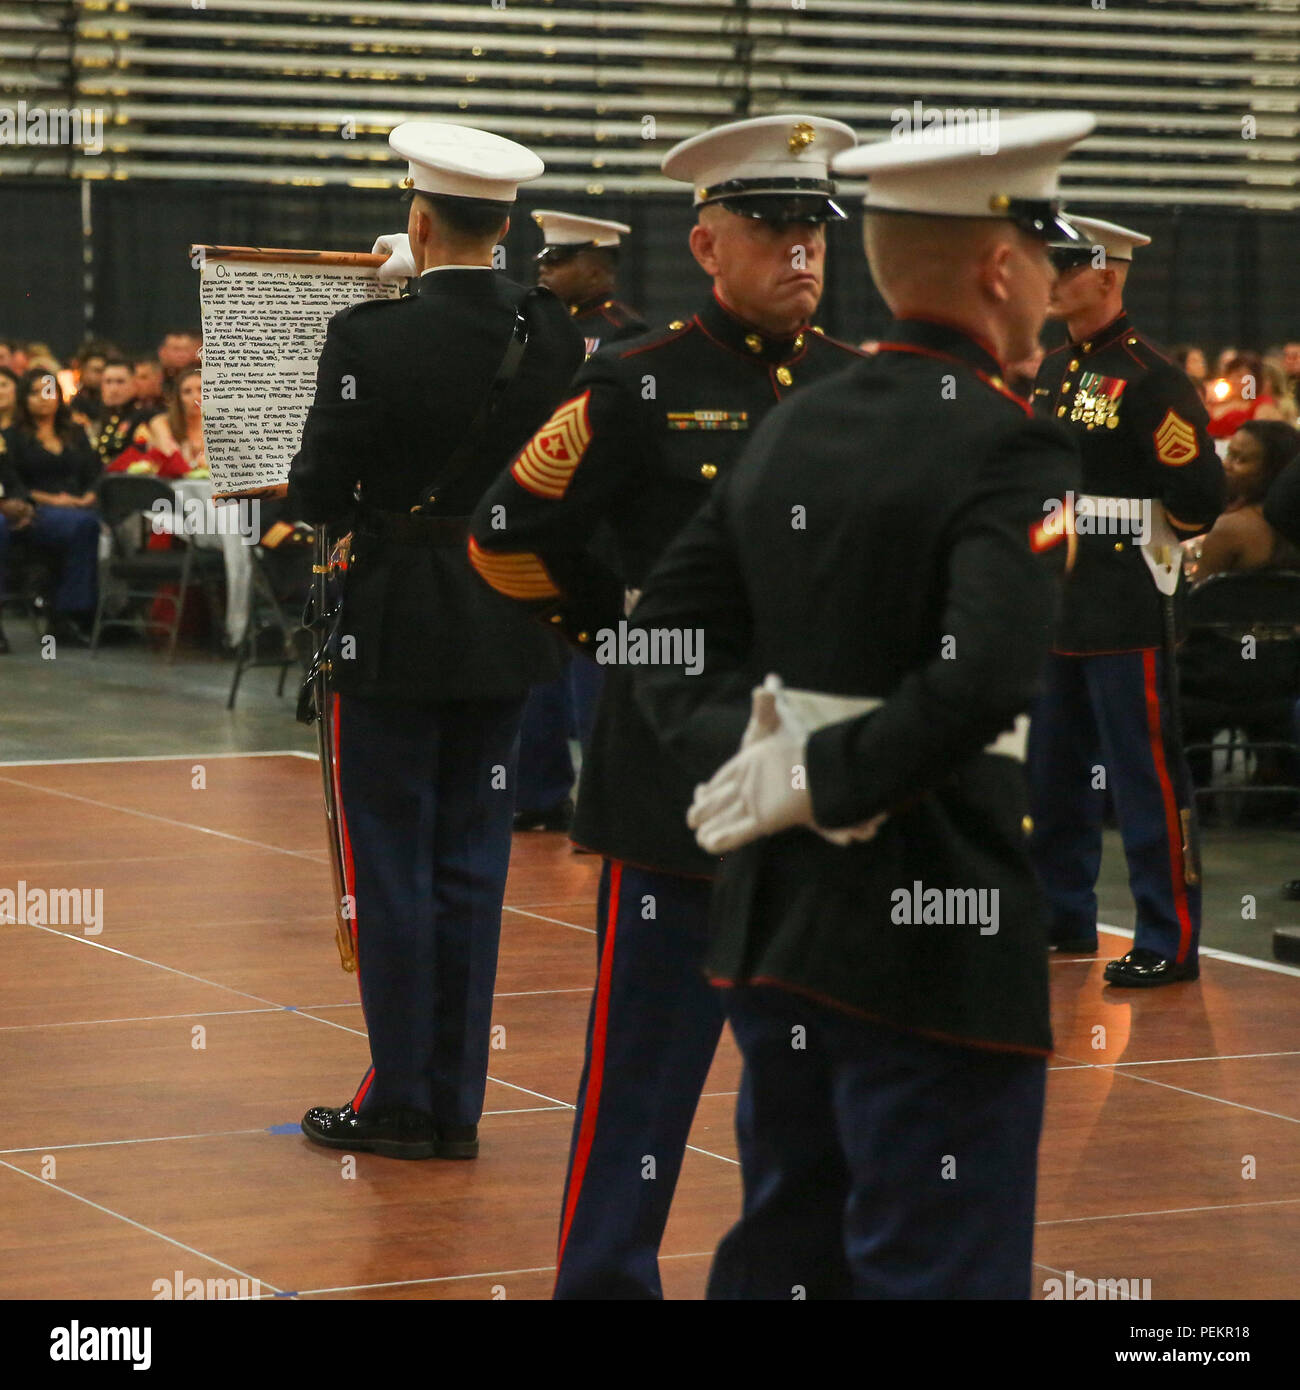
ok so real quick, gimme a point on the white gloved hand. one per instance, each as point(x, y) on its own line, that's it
point(400, 264)
point(790, 716)
point(761, 791)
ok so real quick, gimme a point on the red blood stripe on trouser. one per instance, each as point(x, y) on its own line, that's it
point(1173, 823)
point(349, 874)
point(596, 1070)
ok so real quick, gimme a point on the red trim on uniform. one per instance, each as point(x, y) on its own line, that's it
point(349, 867)
point(363, 1090)
point(961, 362)
point(828, 1002)
point(1173, 827)
point(596, 1071)
point(671, 336)
point(939, 321)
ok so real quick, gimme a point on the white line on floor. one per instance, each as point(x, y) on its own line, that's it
point(148, 1230)
point(591, 931)
point(1168, 1211)
point(155, 758)
point(312, 855)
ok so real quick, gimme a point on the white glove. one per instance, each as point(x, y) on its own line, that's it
point(761, 790)
point(400, 264)
point(737, 805)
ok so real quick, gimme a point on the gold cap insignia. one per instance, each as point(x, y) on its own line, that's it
point(801, 136)
point(999, 202)
point(408, 182)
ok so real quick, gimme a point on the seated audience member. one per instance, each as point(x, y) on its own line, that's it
point(8, 397)
point(177, 450)
point(148, 378)
point(118, 424)
point(177, 353)
point(57, 471)
point(1242, 538)
point(1246, 396)
point(1279, 387)
point(6, 353)
point(1291, 366)
point(1192, 360)
point(17, 357)
point(16, 513)
point(87, 404)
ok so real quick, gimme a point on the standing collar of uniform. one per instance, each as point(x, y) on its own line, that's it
point(726, 326)
point(454, 279)
point(1105, 335)
point(949, 339)
point(591, 306)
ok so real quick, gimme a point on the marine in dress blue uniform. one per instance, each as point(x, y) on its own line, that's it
point(651, 428)
point(578, 261)
point(1105, 711)
point(430, 666)
point(879, 562)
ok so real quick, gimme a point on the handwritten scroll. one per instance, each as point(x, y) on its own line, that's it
point(264, 323)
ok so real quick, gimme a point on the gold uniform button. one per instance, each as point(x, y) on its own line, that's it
point(1119, 545)
point(1074, 364)
point(1132, 342)
point(753, 342)
point(1065, 386)
point(584, 637)
point(608, 304)
point(997, 381)
point(675, 325)
point(557, 617)
point(1060, 410)
point(1027, 824)
point(573, 309)
point(708, 470)
point(821, 332)
point(1087, 347)
point(798, 342)
point(783, 376)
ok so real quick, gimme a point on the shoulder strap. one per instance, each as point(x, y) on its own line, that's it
point(464, 453)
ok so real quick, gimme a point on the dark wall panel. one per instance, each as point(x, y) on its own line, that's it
point(41, 293)
point(1215, 277)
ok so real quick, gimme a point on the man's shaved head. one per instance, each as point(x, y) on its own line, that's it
point(981, 273)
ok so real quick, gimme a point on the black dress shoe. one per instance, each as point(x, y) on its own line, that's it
point(394, 1132)
point(398, 1131)
point(1141, 969)
point(557, 817)
point(1075, 946)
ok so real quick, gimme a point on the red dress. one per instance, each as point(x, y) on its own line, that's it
point(1227, 424)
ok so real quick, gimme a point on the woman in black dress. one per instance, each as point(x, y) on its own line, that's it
point(53, 464)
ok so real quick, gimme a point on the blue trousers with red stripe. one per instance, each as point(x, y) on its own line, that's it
point(877, 1163)
point(1110, 712)
point(651, 1036)
point(427, 794)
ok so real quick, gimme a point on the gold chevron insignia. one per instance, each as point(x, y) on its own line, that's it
point(1175, 440)
point(517, 574)
point(554, 452)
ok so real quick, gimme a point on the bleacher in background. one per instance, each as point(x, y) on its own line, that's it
point(206, 104)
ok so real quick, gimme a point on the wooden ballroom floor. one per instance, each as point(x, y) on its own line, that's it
point(128, 1153)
